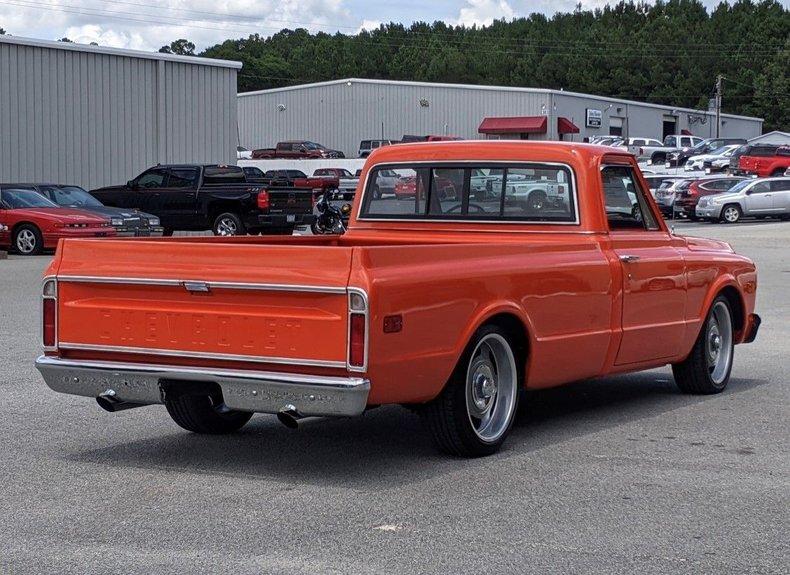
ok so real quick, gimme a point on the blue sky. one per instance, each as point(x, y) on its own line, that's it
point(148, 24)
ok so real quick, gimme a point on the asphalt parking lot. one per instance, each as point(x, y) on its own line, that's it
point(621, 475)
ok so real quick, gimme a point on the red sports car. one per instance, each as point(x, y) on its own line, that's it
point(32, 222)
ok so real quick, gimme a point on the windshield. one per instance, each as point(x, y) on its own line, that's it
point(74, 196)
point(19, 199)
point(740, 186)
point(312, 146)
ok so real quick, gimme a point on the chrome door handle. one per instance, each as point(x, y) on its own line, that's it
point(629, 258)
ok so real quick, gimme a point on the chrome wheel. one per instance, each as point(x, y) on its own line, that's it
point(731, 214)
point(227, 227)
point(537, 201)
point(26, 241)
point(491, 387)
point(718, 343)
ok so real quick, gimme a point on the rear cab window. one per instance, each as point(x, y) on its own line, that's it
point(514, 192)
point(223, 175)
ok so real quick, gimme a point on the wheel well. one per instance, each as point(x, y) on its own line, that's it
point(20, 224)
point(736, 305)
point(220, 208)
point(517, 331)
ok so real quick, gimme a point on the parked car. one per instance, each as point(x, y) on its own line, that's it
point(645, 146)
point(243, 153)
point(677, 158)
point(297, 150)
point(761, 197)
point(720, 155)
point(125, 222)
point(367, 146)
point(448, 306)
point(672, 144)
point(749, 152)
point(210, 196)
point(667, 192)
point(346, 181)
point(689, 192)
point(787, 172)
point(654, 181)
point(765, 165)
point(33, 223)
point(386, 183)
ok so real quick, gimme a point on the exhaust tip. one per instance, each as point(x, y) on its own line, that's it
point(109, 401)
point(289, 416)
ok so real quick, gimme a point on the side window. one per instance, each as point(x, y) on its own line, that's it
point(152, 178)
point(760, 188)
point(625, 201)
point(408, 193)
point(182, 178)
point(780, 185)
point(671, 141)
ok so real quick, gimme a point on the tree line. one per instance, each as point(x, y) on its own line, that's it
point(667, 53)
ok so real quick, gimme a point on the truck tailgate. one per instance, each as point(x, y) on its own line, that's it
point(236, 302)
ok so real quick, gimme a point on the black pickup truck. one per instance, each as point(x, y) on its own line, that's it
point(216, 197)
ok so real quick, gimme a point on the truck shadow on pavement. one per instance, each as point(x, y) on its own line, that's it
point(388, 447)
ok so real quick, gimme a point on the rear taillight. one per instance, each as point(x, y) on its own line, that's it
point(263, 200)
point(49, 312)
point(357, 330)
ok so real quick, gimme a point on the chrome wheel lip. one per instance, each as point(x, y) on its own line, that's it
point(719, 343)
point(490, 405)
point(26, 241)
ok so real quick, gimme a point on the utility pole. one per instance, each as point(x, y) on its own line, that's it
point(719, 78)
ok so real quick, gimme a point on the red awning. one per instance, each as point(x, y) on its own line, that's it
point(513, 125)
point(565, 126)
point(685, 133)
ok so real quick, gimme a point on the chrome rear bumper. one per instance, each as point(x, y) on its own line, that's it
point(259, 391)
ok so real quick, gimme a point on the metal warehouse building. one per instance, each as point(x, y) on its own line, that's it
point(340, 113)
point(92, 116)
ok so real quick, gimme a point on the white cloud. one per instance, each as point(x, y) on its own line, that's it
point(149, 24)
point(484, 12)
point(369, 25)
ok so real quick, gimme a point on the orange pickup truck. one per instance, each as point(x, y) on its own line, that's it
point(550, 263)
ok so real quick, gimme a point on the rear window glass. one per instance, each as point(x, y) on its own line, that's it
point(223, 175)
point(512, 192)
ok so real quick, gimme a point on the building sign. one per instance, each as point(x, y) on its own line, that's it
point(594, 118)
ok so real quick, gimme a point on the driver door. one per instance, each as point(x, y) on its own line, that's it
point(653, 271)
point(759, 199)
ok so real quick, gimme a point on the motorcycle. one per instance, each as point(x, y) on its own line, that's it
point(330, 220)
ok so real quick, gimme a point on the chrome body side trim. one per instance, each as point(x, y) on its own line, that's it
point(209, 284)
point(257, 391)
point(201, 355)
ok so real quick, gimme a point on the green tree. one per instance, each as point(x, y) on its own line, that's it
point(181, 47)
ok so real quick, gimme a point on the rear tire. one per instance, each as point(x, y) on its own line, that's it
point(474, 414)
point(536, 201)
point(707, 368)
point(228, 224)
point(205, 414)
point(28, 240)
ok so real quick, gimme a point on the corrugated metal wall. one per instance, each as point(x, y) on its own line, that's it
point(92, 118)
point(340, 115)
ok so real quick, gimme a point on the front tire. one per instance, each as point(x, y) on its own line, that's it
point(228, 224)
point(731, 214)
point(205, 414)
point(28, 240)
point(475, 412)
point(707, 368)
point(536, 201)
